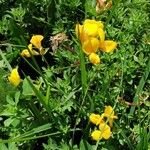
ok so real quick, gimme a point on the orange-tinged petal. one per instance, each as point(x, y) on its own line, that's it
point(36, 41)
point(107, 46)
point(96, 135)
point(105, 130)
point(83, 36)
point(91, 45)
point(14, 77)
point(95, 119)
point(94, 58)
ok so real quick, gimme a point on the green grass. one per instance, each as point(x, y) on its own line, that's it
point(52, 111)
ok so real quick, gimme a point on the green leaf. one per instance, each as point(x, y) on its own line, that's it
point(40, 96)
point(17, 96)
point(3, 146)
point(140, 87)
point(17, 33)
point(51, 12)
point(8, 121)
point(84, 145)
point(12, 146)
point(27, 90)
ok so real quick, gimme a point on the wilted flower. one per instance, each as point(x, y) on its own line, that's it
point(109, 113)
point(102, 5)
point(94, 58)
point(57, 40)
point(14, 77)
point(96, 119)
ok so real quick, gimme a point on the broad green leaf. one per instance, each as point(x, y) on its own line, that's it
point(27, 90)
point(84, 145)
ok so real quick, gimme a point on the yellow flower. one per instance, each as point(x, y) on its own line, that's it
point(26, 53)
point(80, 33)
point(107, 45)
point(90, 45)
point(14, 77)
point(90, 28)
point(36, 41)
point(96, 119)
point(109, 113)
point(94, 58)
point(96, 135)
point(92, 37)
point(105, 131)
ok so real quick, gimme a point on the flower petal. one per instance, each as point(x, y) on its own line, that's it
point(107, 46)
point(96, 135)
point(91, 27)
point(98, 23)
point(94, 58)
point(108, 111)
point(105, 129)
point(95, 118)
point(26, 53)
point(91, 45)
point(36, 41)
point(78, 29)
point(14, 77)
point(101, 34)
point(83, 36)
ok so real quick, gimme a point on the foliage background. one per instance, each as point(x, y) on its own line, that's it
point(121, 80)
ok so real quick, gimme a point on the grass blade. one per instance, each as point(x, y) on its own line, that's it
point(140, 87)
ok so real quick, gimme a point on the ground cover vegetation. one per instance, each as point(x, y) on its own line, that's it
point(74, 75)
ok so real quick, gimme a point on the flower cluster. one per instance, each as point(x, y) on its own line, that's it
point(36, 42)
point(104, 130)
point(92, 37)
point(14, 77)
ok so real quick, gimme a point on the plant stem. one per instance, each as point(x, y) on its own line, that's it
point(83, 72)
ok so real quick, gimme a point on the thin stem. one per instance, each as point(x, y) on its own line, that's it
point(83, 71)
